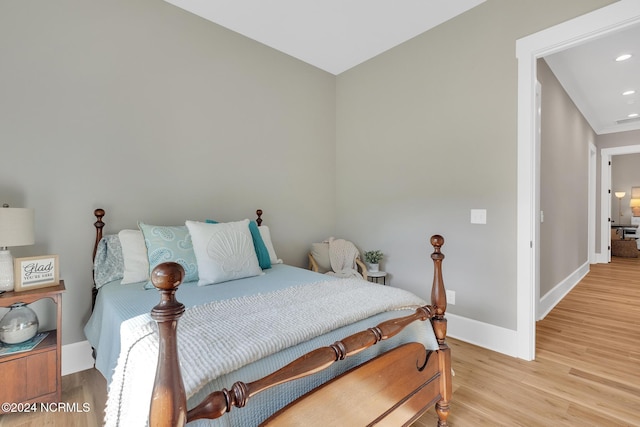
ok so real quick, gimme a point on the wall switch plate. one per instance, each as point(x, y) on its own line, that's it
point(451, 297)
point(478, 216)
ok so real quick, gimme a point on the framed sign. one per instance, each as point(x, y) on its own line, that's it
point(35, 272)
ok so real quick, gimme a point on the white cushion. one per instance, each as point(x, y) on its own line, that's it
point(223, 251)
point(266, 237)
point(320, 253)
point(134, 252)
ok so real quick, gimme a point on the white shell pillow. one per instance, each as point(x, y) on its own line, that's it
point(224, 251)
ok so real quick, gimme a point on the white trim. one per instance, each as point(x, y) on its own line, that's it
point(555, 295)
point(485, 335)
point(591, 203)
point(528, 49)
point(76, 357)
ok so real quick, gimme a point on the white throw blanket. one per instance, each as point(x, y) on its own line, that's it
point(219, 337)
point(342, 255)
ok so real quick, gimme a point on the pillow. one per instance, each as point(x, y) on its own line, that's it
point(134, 252)
point(320, 252)
point(266, 237)
point(258, 244)
point(224, 251)
point(108, 263)
point(170, 243)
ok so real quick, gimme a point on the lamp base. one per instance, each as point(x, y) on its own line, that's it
point(6, 270)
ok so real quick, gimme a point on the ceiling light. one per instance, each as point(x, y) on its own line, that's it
point(623, 57)
point(628, 92)
point(632, 115)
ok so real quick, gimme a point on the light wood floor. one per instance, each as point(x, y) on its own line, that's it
point(587, 367)
point(586, 373)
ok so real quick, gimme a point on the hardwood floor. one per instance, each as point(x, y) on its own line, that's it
point(587, 367)
point(587, 370)
point(85, 393)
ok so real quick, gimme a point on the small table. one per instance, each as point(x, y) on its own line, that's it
point(374, 276)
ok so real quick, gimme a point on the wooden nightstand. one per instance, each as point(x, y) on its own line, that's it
point(34, 375)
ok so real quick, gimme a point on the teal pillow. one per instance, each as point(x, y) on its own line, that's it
point(170, 243)
point(258, 244)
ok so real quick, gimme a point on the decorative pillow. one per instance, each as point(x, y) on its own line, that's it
point(108, 263)
point(170, 243)
point(224, 251)
point(134, 252)
point(320, 252)
point(261, 250)
point(266, 237)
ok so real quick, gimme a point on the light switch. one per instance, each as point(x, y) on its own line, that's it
point(478, 216)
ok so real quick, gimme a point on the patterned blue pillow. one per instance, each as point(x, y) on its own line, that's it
point(108, 265)
point(170, 243)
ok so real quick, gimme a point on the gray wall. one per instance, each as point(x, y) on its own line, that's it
point(426, 132)
point(564, 178)
point(619, 139)
point(155, 115)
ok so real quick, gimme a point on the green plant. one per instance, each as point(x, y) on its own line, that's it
point(373, 257)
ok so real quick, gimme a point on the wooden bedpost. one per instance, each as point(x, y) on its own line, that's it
point(439, 322)
point(99, 225)
point(259, 217)
point(168, 401)
point(438, 293)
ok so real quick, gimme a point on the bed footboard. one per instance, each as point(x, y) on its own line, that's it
point(400, 385)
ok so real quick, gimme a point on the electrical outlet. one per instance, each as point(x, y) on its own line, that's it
point(451, 297)
point(478, 216)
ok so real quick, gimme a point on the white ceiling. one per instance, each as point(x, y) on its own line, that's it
point(595, 81)
point(336, 35)
point(333, 35)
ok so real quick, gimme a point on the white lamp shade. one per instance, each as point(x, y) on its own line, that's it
point(16, 227)
point(620, 194)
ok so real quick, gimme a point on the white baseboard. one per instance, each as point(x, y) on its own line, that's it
point(76, 357)
point(492, 337)
point(555, 295)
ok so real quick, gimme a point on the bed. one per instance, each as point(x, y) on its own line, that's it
point(290, 343)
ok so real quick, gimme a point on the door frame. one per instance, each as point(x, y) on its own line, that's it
point(614, 17)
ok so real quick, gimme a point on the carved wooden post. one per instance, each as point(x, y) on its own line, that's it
point(99, 225)
point(439, 322)
point(168, 401)
point(259, 217)
point(438, 293)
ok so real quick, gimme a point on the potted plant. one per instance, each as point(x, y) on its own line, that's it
point(372, 258)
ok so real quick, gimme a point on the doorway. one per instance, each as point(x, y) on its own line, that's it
point(619, 15)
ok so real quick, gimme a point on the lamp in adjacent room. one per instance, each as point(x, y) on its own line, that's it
point(620, 195)
point(16, 229)
point(634, 204)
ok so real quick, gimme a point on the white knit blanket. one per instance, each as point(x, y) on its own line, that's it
point(219, 337)
point(342, 255)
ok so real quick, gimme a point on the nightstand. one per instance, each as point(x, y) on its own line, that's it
point(34, 375)
point(374, 276)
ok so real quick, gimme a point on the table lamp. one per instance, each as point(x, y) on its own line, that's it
point(620, 195)
point(16, 229)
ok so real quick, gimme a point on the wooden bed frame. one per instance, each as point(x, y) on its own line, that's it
point(393, 389)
